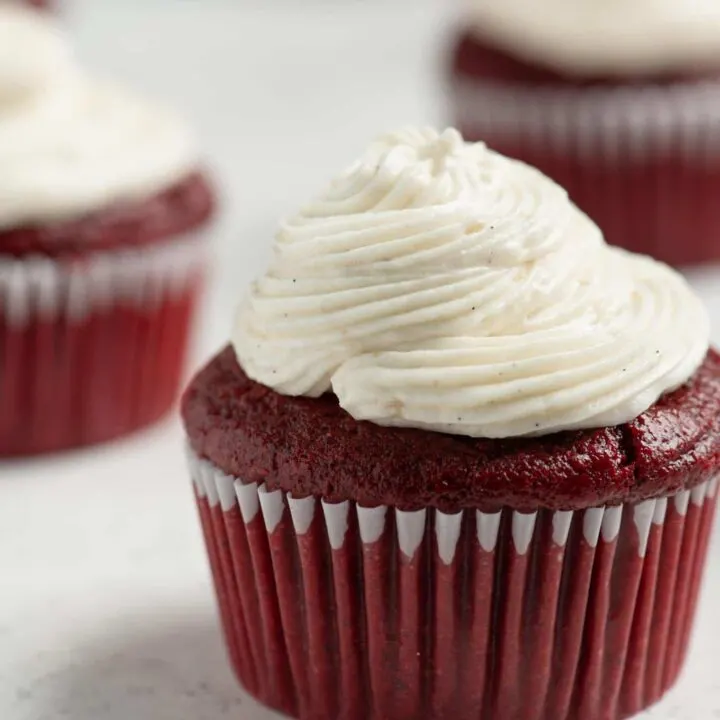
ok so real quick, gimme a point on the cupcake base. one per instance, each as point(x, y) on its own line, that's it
point(333, 610)
point(93, 347)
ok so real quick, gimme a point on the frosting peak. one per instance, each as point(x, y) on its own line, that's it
point(437, 284)
point(440, 150)
point(69, 144)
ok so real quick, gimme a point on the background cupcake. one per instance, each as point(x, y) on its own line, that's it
point(618, 102)
point(462, 457)
point(102, 201)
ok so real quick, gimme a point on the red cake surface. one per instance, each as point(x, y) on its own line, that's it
point(474, 58)
point(311, 446)
point(176, 210)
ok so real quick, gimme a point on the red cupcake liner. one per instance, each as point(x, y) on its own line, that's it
point(332, 610)
point(92, 347)
point(643, 162)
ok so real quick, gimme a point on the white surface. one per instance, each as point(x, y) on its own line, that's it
point(106, 611)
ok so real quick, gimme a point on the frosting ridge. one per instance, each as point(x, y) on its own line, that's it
point(70, 144)
point(436, 284)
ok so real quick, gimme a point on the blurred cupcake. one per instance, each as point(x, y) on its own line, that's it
point(102, 213)
point(461, 457)
point(618, 102)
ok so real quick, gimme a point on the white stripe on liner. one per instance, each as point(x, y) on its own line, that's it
point(697, 495)
point(272, 505)
point(372, 523)
point(592, 524)
point(194, 464)
point(45, 286)
point(78, 300)
point(660, 511)
point(302, 511)
point(682, 500)
point(561, 527)
point(207, 478)
point(16, 292)
point(488, 526)
point(611, 523)
point(712, 488)
point(103, 281)
point(447, 531)
point(226, 490)
point(523, 528)
point(643, 514)
point(410, 530)
point(336, 521)
point(248, 499)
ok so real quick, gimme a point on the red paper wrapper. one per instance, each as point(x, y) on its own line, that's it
point(335, 611)
point(92, 347)
point(642, 161)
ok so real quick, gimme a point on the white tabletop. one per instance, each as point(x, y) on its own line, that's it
point(106, 611)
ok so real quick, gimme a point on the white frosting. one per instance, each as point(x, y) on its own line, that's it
point(69, 144)
point(437, 284)
point(614, 36)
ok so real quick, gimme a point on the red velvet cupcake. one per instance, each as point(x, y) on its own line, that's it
point(102, 211)
point(462, 458)
point(617, 102)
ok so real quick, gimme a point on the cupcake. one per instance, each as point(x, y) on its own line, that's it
point(461, 457)
point(618, 102)
point(103, 208)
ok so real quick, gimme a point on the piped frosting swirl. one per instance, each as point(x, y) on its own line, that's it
point(437, 284)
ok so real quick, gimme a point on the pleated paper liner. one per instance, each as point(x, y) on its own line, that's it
point(336, 611)
point(644, 163)
point(92, 347)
